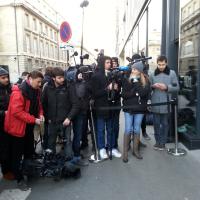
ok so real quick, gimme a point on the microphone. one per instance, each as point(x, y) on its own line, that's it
point(74, 54)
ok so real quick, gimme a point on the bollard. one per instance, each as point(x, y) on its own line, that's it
point(176, 151)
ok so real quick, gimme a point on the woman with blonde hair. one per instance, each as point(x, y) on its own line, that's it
point(135, 92)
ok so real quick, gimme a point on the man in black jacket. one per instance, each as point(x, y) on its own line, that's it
point(60, 103)
point(5, 91)
point(101, 90)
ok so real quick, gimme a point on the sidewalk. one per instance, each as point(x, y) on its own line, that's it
point(158, 176)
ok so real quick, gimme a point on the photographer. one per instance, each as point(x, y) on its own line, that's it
point(101, 88)
point(135, 91)
point(82, 88)
point(61, 105)
point(117, 102)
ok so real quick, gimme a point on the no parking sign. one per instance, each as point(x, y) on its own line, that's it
point(65, 32)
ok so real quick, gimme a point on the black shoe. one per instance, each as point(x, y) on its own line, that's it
point(81, 163)
point(145, 136)
point(161, 147)
point(156, 146)
point(22, 185)
point(84, 146)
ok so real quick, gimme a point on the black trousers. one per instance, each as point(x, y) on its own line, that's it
point(5, 152)
point(21, 146)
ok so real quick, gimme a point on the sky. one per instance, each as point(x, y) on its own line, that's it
point(99, 22)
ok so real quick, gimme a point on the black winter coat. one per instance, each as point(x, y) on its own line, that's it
point(59, 103)
point(100, 93)
point(134, 94)
point(5, 92)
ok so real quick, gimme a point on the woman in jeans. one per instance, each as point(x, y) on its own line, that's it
point(135, 92)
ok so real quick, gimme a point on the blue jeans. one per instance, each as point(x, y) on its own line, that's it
point(133, 123)
point(161, 127)
point(116, 127)
point(101, 124)
point(78, 132)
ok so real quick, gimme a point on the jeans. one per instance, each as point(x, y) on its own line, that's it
point(133, 123)
point(101, 124)
point(55, 129)
point(115, 117)
point(161, 127)
point(78, 131)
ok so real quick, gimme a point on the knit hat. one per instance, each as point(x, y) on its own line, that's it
point(139, 66)
point(3, 72)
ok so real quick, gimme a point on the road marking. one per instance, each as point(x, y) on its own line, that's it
point(14, 194)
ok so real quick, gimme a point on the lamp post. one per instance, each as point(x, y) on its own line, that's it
point(84, 4)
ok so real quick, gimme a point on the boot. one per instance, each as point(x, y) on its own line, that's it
point(145, 135)
point(136, 142)
point(142, 145)
point(126, 145)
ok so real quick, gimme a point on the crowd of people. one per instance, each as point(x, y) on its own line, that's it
point(63, 107)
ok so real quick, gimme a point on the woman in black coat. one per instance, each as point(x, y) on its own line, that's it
point(135, 92)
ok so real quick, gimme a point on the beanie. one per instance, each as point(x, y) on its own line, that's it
point(3, 72)
point(139, 66)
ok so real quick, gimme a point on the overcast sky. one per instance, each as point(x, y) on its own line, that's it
point(99, 26)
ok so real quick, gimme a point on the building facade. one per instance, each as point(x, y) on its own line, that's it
point(172, 28)
point(30, 36)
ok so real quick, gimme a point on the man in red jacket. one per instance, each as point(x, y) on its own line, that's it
point(24, 111)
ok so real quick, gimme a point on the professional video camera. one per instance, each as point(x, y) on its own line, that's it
point(50, 165)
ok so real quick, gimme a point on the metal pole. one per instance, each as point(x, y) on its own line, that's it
point(176, 151)
point(94, 158)
point(82, 38)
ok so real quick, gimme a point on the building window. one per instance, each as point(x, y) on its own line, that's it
point(34, 24)
point(46, 30)
point(51, 34)
point(154, 32)
point(27, 20)
point(55, 36)
point(47, 49)
point(41, 48)
point(41, 27)
point(28, 43)
point(35, 46)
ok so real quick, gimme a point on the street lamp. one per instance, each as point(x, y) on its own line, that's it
point(84, 4)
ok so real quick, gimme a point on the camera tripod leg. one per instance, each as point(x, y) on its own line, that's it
point(95, 157)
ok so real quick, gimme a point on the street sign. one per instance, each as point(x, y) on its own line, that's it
point(66, 46)
point(65, 32)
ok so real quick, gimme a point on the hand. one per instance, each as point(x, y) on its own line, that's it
point(66, 122)
point(37, 121)
point(115, 86)
point(41, 118)
point(155, 86)
point(162, 86)
point(80, 76)
point(110, 86)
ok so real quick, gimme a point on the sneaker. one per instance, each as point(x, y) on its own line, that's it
point(103, 154)
point(156, 146)
point(146, 136)
point(116, 153)
point(22, 185)
point(161, 147)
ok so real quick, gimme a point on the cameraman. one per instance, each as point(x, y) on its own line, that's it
point(61, 105)
point(117, 102)
point(101, 87)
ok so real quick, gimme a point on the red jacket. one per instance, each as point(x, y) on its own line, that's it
point(18, 115)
